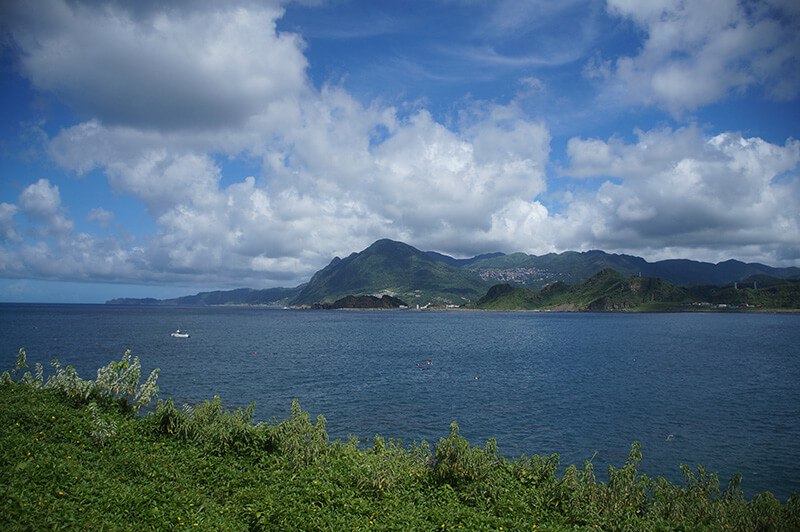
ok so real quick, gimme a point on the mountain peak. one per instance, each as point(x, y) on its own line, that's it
point(386, 245)
point(388, 265)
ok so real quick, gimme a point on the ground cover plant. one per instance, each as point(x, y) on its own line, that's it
point(82, 455)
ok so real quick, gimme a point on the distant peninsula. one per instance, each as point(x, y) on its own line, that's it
point(240, 296)
point(576, 281)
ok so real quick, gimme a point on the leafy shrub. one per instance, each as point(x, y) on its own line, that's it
point(537, 475)
point(103, 430)
point(460, 465)
point(22, 363)
point(299, 440)
point(167, 419)
point(791, 512)
point(627, 492)
point(766, 512)
point(388, 466)
point(70, 383)
point(219, 430)
point(222, 431)
point(121, 381)
point(578, 497)
point(117, 382)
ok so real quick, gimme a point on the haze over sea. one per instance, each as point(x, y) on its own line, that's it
point(716, 389)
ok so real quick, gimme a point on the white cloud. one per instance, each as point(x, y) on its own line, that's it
point(170, 69)
point(440, 182)
point(101, 216)
point(163, 180)
point(41, 202)
point(615, 158)
point(697, 53)
point(335, 176)
point(8, 226)
point(685, 193)
point(523, 226)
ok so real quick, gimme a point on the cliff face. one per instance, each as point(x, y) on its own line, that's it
point(362, 302)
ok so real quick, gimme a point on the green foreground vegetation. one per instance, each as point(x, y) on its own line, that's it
point(79, 455)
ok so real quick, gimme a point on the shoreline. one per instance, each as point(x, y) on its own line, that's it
point(568, 311)
point(441, 308)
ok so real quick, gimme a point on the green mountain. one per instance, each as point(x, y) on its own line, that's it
point(573, 267)
point(609, 290)
point(764, 292)
point(396, 269)
point(605, 290)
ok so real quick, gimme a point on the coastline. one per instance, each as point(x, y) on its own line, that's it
point(566, 310)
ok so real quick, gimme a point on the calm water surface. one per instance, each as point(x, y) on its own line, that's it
point(727, 386)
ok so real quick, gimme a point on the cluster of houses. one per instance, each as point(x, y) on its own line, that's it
point(517, 275)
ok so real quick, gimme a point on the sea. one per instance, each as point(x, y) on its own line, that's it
point(717, 389)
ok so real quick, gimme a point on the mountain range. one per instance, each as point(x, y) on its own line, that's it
point(416, 277)
point(608, 290)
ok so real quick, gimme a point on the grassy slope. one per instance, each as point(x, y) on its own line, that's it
point(606, 290)
point(216, 471)
point(57, 477)
point(778, 295)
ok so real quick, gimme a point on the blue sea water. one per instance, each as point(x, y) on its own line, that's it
point(583, 385)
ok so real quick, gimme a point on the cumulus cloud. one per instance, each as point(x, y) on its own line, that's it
point(696, 53)
point(676, 190)
point(101, 216)
point(335, 175)
point(170, 69)
point(8, 226)
point(56, 250)
point(41, 202)
point(441, 182)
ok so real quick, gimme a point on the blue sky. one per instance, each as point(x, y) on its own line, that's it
point(152, 149)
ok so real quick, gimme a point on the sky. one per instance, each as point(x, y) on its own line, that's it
point(159, 149)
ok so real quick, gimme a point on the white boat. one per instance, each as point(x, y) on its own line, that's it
point(179, 334)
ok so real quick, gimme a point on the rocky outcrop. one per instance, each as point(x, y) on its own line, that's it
point(362, 302)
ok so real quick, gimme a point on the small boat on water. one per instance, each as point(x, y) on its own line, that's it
point(179, 334)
